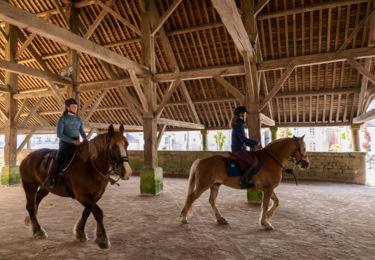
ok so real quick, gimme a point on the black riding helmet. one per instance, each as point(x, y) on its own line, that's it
point(70, 101)
point(240, 110)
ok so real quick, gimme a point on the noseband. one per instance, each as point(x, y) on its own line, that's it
point(298, 149)
point(114, 161)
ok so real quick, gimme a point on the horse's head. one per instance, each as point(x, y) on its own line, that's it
point(117, 152)
point(300, 153)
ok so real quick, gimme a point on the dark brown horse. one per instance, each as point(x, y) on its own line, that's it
point(209, 173)
point(86, 177)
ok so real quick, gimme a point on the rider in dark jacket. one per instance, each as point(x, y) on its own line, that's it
point(68, 129)
point(240, 142)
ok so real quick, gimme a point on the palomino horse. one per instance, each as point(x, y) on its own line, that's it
point(210, 173)
point(86, 177)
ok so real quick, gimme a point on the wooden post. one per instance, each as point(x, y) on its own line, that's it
point(252, 84)
point(10, 172)
point(74, 57)
point(151, 174)
point(355, 137)
point(204, 139)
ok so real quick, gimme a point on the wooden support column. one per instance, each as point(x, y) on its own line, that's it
point(273, 130)
point(10, 171)
point(204, 139)
point(151, 174)
point(355, 137)
point(74, 58)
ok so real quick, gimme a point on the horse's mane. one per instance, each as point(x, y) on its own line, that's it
point(90, 150)
point(277, 141)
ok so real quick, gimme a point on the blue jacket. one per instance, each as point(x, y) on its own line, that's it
point(69, 127)
point(239, 140)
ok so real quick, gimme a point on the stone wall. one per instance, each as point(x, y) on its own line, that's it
point(349, 167)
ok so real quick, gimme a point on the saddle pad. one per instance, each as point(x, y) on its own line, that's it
point(236, 166)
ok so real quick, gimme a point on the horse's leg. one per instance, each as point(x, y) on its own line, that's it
point(101, 235)
point(79, 229)
point(212, 200)
point(31, 206)
point(263, 217)
point(190, 200)
point(274, 205)
point(39, 196)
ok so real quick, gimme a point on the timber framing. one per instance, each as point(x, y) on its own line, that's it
point(316, 71)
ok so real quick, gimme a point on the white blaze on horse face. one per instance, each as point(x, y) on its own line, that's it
point(128, 169)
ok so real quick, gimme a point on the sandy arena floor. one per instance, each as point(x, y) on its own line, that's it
point(314, 221)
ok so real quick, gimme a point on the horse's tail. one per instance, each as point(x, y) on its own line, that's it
point(192, 173)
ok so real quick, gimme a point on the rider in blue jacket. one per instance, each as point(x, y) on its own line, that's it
point(239, 144)
point(68, 129)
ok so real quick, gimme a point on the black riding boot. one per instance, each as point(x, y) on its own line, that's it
point(246, 177)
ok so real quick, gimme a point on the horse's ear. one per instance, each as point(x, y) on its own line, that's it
point(303, 137)
point(111, 130)
point(121, 129)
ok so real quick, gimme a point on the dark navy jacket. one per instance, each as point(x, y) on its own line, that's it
point(239, 140)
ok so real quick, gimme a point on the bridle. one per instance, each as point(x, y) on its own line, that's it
point(114, 163)
point(288, 170)
point(298, 149)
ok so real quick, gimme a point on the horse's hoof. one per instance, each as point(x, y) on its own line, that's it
point(82, 237)
point(41, 234)
point(103, 244)
point(268, 227)
point(222, 221)
point(184, 221)
point(27, 221)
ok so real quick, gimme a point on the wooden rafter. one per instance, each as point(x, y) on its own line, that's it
point(362, 70)
point(229, 15)
point(23, 19)
point(32, 112)
point(232, 89)
point(181, 124)
point(260, 6)
point(160, 135)
point(95, 105)
point(25, 70)
point(265, 120)
point(172, 87)
point(19, 111)
point(98, 20)
point(165, 16)
point(277, 86)
point(25, 141)
point(364, 117)
point(24, 45)
point(139, 90)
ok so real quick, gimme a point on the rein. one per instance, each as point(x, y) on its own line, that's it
point(107, 177)
point(286, 170)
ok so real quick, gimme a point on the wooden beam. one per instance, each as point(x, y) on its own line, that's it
point(23, 19)
point(310, 8)
point(57, 94)
point(230, 17)
point(265, 90)
point(265, 120)
point(4, 88)
point(106, 84)
point(95, 106)
point(25, 45)
point(165, 16)
point(116, 126)
point(87, 104)
point(181, 124)
point(362, 70)
point(166, 96)
point(25, 70)
point(25, 102)
point(62, 13)
point(160, 135)
point(364, 117)
point(32, 112)
point(277, 86)
point(139, 90)
point(232, 89)
point(314, 59)
point(24, 142)
point(97, 21)
point(260, 6)
point(119, 17)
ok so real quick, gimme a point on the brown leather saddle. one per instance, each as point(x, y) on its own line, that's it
point(243, 164)
point(235, 166)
